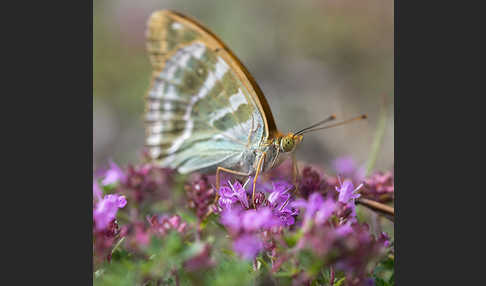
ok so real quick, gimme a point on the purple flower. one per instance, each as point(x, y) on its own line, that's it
point(200, 195)
point(384, 238)
point(279, 200)
point(286, 216)
point(106, 209)
point(248, 220)
point(141, 235)
point(113, 175)
point(280, 193)
point(347, 192)
point(344, 165)
point(230, 217)
point(379, 187)
point(311, 182)
point(104, 240)
point(232, 194)
point(344, 230)
point(316, 208)
point(248, 246)
point(260, 200)
point(347, 195)
point(226, 197)
point(325, 211)
point(314, 202)
point(163, 224)
point(358, 247)
point(369, 282)
point(262, 218)
point(240, 193)
point(347, 167)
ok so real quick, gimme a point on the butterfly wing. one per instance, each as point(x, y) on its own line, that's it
point(203, 108)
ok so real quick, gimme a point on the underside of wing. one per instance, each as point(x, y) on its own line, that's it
point(202, 110)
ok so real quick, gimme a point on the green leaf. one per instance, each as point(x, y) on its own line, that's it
point(290, 273)
point(120, 254)
point(380, 282)
point(388, 263)
point(117, 273)
point(340, 281)
point(292, 239)
point(232, 272)
point(108, 189)
point(391, 281)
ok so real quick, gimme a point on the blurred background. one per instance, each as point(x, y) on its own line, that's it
point(311, 58)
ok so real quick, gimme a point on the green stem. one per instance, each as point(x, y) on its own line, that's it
point(117, 244)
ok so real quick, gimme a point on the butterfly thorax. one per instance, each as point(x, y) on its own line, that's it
point(251, 157)
point(276, 150)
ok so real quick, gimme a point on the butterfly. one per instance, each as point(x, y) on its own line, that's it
point(204, 111)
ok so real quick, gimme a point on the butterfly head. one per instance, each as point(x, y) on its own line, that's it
point(289, 142)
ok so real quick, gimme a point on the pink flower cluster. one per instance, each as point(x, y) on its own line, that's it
point(247, 225)
point(106, 207)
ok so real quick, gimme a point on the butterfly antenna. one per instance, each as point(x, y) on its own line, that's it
point(330, 118)
point(337, 124)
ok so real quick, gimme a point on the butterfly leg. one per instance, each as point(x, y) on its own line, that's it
point(218, 171)
point(257, 172)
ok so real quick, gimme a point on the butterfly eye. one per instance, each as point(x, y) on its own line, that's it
point(287, 144)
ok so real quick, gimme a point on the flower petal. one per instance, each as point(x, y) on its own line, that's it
point(248, 246)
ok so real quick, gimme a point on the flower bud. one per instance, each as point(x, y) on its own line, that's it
point(259, 199)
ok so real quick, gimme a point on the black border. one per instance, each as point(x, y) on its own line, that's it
point(48, 98)
point(434, 150)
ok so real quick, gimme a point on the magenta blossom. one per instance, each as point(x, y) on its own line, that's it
point(313, 204)
point(379, 187)
point(347, 195)
point(262, 218)
point(141, 235)
point(163, 224)
point(279, 193)
point(200, 195)
point(279, 200)
point(106, 209)
point(287, 215)
point(316, 208)
point(347, 192)
point(248, 246)
point(251, 220)
point(344, 230)
point(230, 217)
point(113, 175)
point(245, 226)
point(325, 211)
point(347, 167)
point(232, 194)
point(384, 238)
point(311, 181)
